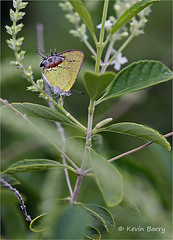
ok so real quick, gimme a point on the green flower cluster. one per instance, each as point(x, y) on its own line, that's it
point(13, 42)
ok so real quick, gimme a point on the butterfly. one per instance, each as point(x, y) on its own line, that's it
point(60, 70)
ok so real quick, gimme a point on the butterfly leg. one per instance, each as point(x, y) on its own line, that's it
point(49, 69)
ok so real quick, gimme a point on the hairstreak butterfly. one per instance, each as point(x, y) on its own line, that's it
point(60, 70)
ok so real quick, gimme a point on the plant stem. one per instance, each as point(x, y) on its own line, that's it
point(83, 128)
point(15, 191)
point(105, 9)
point(61, 131)
point(81, 172)
point(136, 149)
point(88, 136)
point(89, 47)
point(109, 49)
point(99, 53)
point(77, 188)
point(100, 44)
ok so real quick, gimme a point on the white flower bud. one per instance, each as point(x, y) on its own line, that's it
point(14, 4)
point(40, 83)
point(29, 70)
point(20, 15)
point(23, 5)
point(8, 29)
point(75, 33)
point(125, 34)
point(15, 64)
point(63, 6)
point(19, 42)
point(127, 5)
point(12, 15)
point(21, 55)
point(117, 7)
point(103, 122)
point(32, 88)
point(69, 6)
point(18, 28)
point(11, 43)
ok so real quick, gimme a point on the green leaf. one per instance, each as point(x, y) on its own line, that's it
point(108, 179)
point(38, 224)
point(14, 225)
point(83, 13)
point(92, 233)
point(130, 13)
point(97, 141)
point(96, 83)
point(11, 180)
point(71, 224)
point(101, 214)
point(130, 206)
point(138, 130)
point(39, 111)
point(127, 211)
point(137, 76)
point(29, 165)
point(8, 197)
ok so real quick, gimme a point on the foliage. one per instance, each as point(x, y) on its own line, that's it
point(63, 210)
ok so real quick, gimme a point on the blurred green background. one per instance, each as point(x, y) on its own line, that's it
point(146, 174)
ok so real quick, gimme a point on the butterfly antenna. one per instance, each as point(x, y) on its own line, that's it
point(51, 52)
point(40, 54)
point(43, 53)
point(73, 90)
